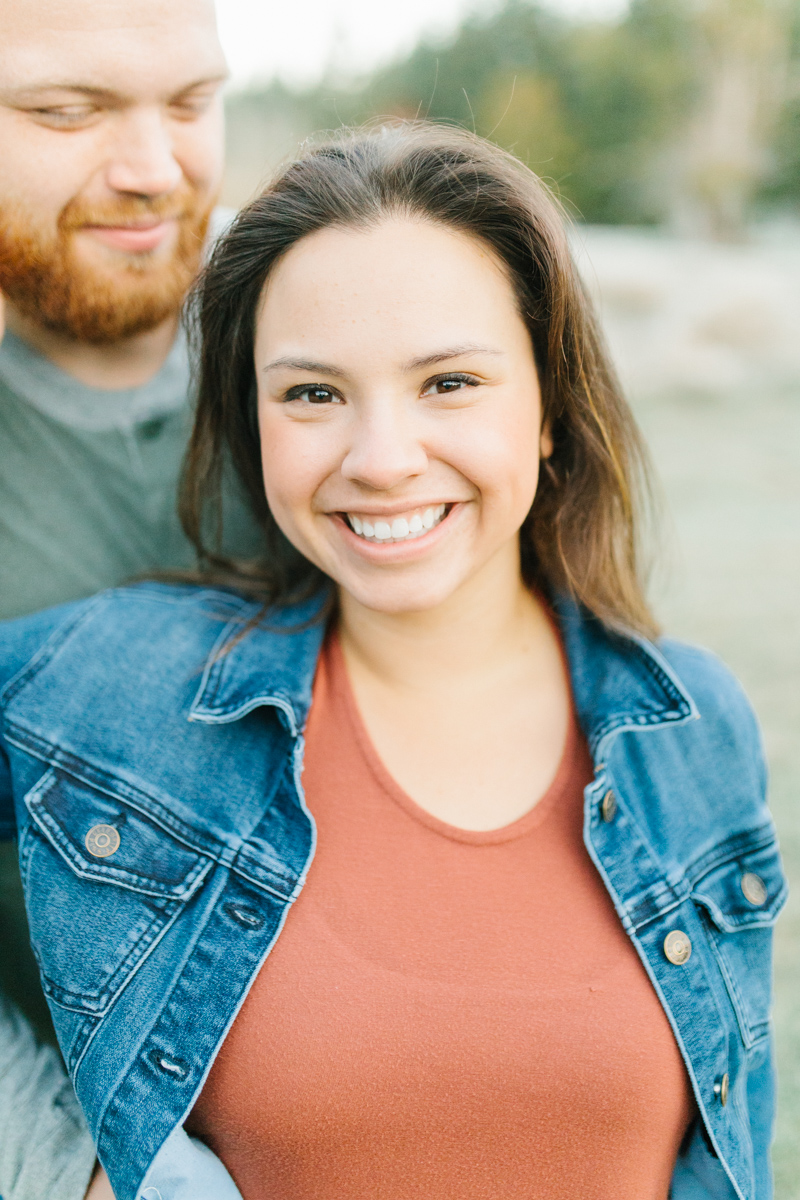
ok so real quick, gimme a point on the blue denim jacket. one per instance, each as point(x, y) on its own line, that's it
point(122, 711)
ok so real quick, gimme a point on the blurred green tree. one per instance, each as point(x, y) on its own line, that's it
point(667, 113)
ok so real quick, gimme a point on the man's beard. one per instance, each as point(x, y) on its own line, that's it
point(54, 287)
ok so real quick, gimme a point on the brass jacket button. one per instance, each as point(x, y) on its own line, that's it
point(677, 947)
point(754, 888)
point(721, 1089)
point(102, 841)
point(608, 807)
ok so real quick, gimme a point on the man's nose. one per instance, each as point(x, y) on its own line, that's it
point(385, 450)
point(143, 160)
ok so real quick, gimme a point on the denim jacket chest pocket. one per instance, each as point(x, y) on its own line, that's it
point(741, 899)
point(103, 882)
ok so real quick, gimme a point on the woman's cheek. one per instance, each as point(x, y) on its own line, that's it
point(282, 471)
point(294, 466)
point(503, 465)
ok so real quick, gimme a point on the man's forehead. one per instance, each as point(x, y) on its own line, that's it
point(92, 16)
point(108, 44)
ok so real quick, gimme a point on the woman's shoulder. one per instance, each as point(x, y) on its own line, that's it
point(717, 693)
point(117, 628)
point(721, 750)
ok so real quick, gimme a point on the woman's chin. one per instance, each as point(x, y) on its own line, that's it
point(395, 597)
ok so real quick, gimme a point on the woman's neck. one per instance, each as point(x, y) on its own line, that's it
point(467, 704)
point(480, 629)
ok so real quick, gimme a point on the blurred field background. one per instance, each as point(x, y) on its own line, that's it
point(671, 131)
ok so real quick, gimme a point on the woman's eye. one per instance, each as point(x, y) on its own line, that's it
point(448, 383)
point(314, 395)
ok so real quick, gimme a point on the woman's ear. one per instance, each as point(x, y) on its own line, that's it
point(546, 441)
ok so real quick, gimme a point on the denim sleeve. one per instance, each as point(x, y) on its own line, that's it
point(46, 1151)
point(8, 825)
point(20, 641)
point(761, 1103)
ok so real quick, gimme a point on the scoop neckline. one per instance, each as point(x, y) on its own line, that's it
point(529, 820)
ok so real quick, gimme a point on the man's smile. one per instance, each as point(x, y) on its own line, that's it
point(136, 238)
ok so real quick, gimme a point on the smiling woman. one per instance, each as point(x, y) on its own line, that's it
point(420, 874)
point(493, 260)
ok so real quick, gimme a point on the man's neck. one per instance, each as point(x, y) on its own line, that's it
point(128, 363)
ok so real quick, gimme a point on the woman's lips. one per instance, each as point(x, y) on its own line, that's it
point(133, 239)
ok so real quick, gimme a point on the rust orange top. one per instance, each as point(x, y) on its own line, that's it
point(447, 1015)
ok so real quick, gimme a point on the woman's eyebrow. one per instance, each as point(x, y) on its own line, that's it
point(428, 360)
point(289, 362)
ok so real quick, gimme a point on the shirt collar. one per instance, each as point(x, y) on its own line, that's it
point(32, 377)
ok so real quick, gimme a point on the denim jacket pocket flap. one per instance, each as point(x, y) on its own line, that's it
point(744, 893)
point(742, 896)
point(103, 882)
point(104, 838)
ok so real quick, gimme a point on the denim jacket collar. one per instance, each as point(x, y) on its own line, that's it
point(272, 664)
point(619, 681)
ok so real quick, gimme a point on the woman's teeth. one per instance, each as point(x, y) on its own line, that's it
point(401, 529)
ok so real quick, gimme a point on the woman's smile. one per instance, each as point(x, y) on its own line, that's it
point(413, 523)
point(405, 536)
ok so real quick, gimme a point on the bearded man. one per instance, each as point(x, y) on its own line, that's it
point(110, 163)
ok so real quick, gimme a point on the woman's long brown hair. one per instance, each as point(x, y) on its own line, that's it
point(582, 535)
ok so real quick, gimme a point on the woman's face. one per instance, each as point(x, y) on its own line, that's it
point(399, 410)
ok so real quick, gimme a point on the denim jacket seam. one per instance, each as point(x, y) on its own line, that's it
point(229, 858)
point(747, 1031)
point(649, 966)
point(744, 842)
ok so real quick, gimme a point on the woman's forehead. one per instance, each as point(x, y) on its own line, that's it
point(403, 282)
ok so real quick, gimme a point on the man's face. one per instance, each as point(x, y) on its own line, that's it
point(110, 159)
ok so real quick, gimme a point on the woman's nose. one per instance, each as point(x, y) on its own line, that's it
point(385, 451)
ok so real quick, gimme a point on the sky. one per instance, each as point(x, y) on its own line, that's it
point(298, 40)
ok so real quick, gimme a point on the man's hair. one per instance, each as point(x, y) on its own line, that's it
point(581, 535)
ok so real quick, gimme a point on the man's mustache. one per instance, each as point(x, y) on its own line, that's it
point(126, 211)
